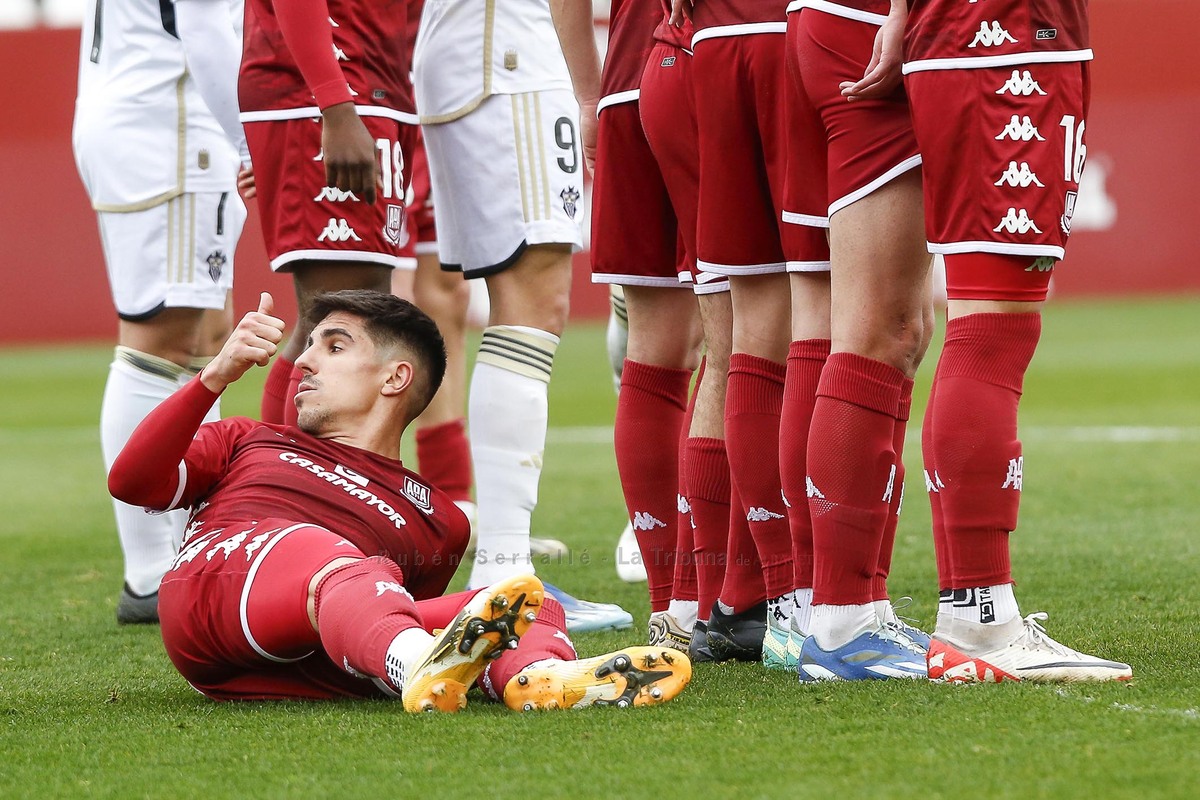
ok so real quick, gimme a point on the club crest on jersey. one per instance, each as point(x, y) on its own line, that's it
point(1069, 205)
point(395, 231)
point(216, 262)
point(570, 197)
point(418, 493)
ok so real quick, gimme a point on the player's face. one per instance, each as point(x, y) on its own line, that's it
point(343, 372)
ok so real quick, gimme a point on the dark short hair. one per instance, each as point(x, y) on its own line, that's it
point(391, 321)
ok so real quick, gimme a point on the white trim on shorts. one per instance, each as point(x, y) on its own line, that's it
point(635, 280)
point(904, 166)
point(1009, 60)
point(429, 248)
point(811, 220)
point(245, 599)
point(741, 29)
point(741, 269)
point(837, 10)
point(314, 112)
point(809, 266)
point(386, 260)
point(1001, 248)
point(617, 98)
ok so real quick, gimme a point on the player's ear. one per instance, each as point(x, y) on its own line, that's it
point(399, 378)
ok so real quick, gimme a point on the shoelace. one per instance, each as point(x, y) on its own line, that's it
point(1034, 635)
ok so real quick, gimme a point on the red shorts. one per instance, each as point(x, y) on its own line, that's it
point(668, 111)
point(422, 226)
point(634, 232)
point(863, 144)
point(743, 149)
point(303, 219)
point(234, 611)
point(1003, 151)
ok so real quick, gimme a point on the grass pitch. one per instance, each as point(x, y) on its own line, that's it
point(1107, 545)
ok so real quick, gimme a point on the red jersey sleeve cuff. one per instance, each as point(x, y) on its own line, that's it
point(332, 93)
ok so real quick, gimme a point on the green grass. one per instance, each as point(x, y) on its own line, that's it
point(1107, 544)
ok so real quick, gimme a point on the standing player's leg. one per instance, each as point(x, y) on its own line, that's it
point(521, 243)
point(171, 269)
point(741, 138)
point(998, 261)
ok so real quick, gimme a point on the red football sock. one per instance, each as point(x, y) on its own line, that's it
point(933, 488)
point(546, 638)
point(275, 390)
point(743, 586)
point(753, 402)
point(650, 413)
point(444, 457)
point(356, 621)
point(974, 440)
point(804, 363)
point(883, 564)
point(708, 494)
point(852, 468)
point(684, 582)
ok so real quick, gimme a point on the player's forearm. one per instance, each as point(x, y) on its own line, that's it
point(146, 473)
point(213, 52)
point(576, 34)
point(309, 37)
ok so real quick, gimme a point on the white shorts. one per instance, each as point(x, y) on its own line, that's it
point(507, 175)
point(177, 254)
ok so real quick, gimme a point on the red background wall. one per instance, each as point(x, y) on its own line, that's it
point(1136, 231)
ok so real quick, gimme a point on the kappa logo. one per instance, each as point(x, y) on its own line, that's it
point(1020, 129)
point(1021, 176)
point(1021, 84)
point(761, 514)
point(933, 484)
point(340, 54)
point(992, 35)
point(1041, 264)
point(419, 493)
point(390, 586)
point(811, 489)
point(395, 230)
point(216, 263)
point(891, 486)
point(669, 61)
point(1016, 222)
point(645, 521)
point(338, 230)
point(570, 199)
point(1069, 205)
point(682, 505)
point(332, 194)
point(1016, 474)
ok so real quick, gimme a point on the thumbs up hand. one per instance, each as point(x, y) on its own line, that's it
point(255, 339)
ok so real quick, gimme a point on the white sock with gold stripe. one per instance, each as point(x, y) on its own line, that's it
point(507, 416)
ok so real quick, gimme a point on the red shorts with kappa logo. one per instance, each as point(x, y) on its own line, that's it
point(634, 232)
point(305, 220)
point(422, 224)
point(862, 145)
point(739, 86)
point(1003, 151)
point(234, 613)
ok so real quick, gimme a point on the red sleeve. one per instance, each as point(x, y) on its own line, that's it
point(147, 473)
point(306, 29)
